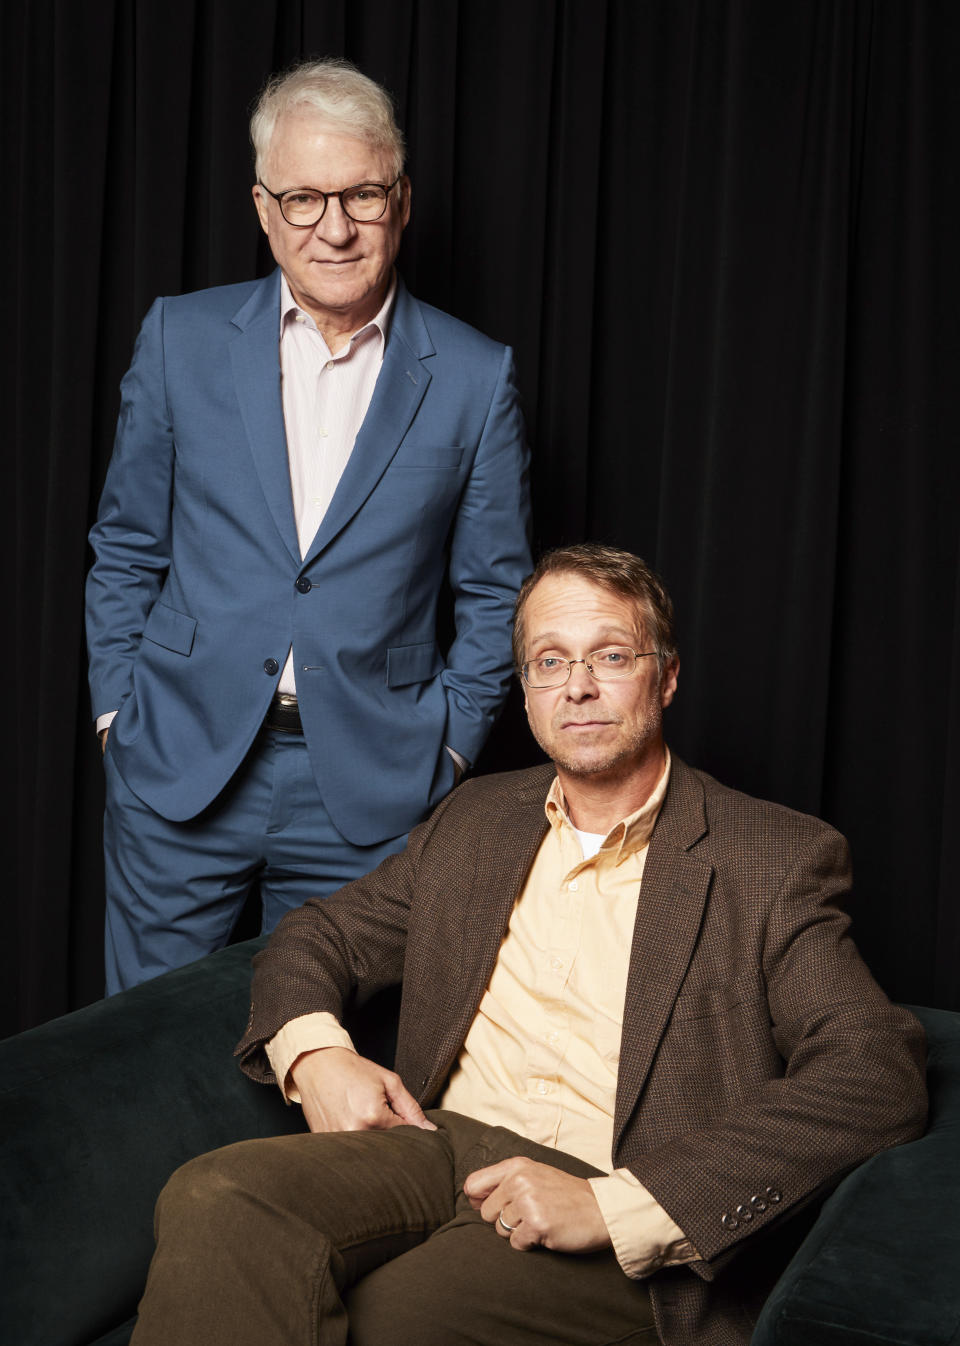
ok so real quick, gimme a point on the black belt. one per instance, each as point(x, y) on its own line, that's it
point(283, 713)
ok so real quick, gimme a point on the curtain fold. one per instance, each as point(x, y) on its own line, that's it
point(721, 236)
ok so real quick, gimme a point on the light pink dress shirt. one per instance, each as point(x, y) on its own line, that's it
point(325, 398)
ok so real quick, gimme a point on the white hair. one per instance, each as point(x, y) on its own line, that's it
point(347, 99)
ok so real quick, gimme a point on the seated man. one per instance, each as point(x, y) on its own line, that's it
point(631, 996)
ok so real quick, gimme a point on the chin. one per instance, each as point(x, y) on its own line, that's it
point(592, 765)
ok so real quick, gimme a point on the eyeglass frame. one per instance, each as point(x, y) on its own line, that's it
point(278, 197)
point(551, 686)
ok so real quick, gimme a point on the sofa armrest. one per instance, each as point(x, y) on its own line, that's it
point(96, 1111)
point(879, 1267)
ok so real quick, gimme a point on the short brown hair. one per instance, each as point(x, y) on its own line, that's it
point(619, 571)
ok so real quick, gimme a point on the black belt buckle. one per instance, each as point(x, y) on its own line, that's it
point(283, 714)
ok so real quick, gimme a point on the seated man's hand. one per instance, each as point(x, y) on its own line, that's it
point(341, 1091)
point(542, 1205)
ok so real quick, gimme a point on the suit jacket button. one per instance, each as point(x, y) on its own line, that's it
point(773, 1196)
point(303, 585)
point(758, 1203)
point(729, 1221)
point(270, 667)
point(744, 1213)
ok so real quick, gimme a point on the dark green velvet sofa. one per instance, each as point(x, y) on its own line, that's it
point(98, 1108)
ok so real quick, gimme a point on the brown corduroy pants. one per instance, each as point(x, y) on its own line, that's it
point(366, 1237)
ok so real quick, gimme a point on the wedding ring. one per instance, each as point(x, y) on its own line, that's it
point(508, 1227)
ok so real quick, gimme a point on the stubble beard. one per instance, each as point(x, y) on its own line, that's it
point(614, 759)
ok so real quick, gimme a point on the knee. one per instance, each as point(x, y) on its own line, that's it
point(202, 1197)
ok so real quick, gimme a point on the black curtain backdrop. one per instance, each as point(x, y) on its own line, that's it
point(722, 236)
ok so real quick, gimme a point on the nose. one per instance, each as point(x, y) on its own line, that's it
point(581, 684)
point(335, 225)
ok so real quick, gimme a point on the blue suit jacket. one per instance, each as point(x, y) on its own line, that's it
point(198, 588)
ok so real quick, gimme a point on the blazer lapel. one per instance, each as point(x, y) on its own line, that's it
point(673, 895)
point(503, 861)
point(401, 384)
point(506, 844)
point(255, 355)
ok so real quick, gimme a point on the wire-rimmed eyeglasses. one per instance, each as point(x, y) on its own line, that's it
point(303, 207)
point(613, 661)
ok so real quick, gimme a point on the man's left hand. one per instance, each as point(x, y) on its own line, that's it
point(545, 1207)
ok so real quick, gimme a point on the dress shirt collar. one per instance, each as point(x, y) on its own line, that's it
point(629, 835)
point(290, 310)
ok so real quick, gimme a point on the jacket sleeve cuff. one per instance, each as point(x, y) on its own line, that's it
point(643, 1235)
point(306, 1033)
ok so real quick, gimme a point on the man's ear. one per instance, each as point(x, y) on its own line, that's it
point(406, 196)
point(668, 681)
point(260, 201)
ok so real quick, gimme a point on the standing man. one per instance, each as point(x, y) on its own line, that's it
point(300, 462)
point(630, 994)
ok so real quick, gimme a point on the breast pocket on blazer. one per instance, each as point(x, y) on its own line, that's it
point(422, 455)
point(172, 629)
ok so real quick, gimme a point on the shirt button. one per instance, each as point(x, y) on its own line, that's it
point(556, 964)
point(329, 364)
point(574, 886)
point(553, 1037)
point(542, 1087)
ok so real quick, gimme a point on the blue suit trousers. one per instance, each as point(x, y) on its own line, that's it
point(176, 889)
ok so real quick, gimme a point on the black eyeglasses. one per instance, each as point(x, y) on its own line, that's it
point(613, 661)
point(303, 207)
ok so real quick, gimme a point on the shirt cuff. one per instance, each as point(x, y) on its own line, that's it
point(306, 1033)
point(461, 761)
point(643, 1235)
point(105, 721)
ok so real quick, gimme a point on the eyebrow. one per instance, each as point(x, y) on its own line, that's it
point(617, 635)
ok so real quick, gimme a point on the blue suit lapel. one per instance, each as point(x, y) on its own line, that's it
point(401, 384)
point(255, 355)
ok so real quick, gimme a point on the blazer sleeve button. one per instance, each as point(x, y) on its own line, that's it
point(758, 1204)
point(773, 1196)
point(744, 1213)
point(271, 667)
point(729, 1221)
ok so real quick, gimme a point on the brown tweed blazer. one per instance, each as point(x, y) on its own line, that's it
point(759, 1060)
